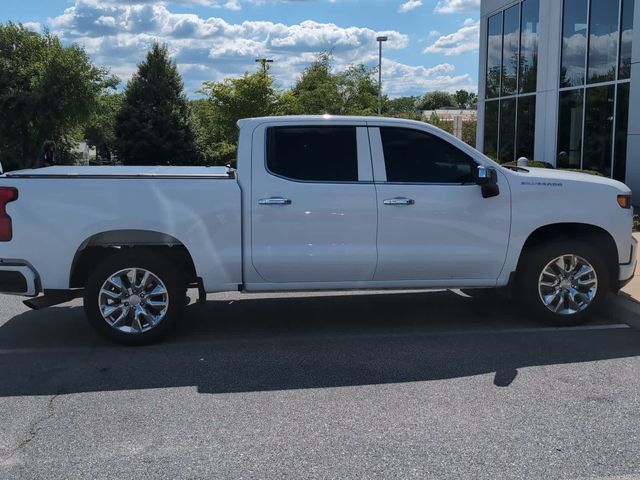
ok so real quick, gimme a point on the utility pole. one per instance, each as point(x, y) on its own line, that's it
point(264, 62)
point(380, 40)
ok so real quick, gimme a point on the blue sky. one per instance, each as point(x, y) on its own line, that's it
point(433, 44)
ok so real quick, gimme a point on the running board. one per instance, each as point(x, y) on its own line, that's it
point(53, 297)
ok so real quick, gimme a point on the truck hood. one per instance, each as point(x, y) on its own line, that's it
point(550, 175)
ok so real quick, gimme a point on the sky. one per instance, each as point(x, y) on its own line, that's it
point(432, 45)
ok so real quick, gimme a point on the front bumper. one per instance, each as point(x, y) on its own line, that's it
point(628, 270)
point(18, 279)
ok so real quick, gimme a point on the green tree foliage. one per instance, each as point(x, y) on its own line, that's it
point(252, 95)
point(100, 131)
point(465, 99)
point(435, 100)
point(153, 126)
point(446, 125)
point(46, 92)
point(469, 129)
point(319, 91)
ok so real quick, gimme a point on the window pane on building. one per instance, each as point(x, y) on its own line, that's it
point(491, 112)
point(507, 130)
point(525, 136)
point(622, 129)
point(510, 47)
point(570, 129)
point(321, 154)
point(529, 46)
point(598, 129)
point(494, 56)
point(574, 43)
point(626, 39)
point(603, 40)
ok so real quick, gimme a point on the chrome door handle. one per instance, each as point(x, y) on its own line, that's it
point(274, 201)
point(399, 201)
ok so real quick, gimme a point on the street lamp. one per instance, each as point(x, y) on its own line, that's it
point(264, 62)
point(380, 40)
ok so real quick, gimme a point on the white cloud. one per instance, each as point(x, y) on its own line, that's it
point(118, 36)
point(458, 6)
point(465, 40)
point(409, 5)
point(232, 5)
point(34, 26)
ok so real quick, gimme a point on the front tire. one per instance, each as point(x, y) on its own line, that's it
point(134, 297)
point(563, 282)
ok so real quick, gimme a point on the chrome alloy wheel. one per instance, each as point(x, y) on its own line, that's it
point(568, 285)
point(133, 300)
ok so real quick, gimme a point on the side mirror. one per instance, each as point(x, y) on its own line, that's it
point(487, 178)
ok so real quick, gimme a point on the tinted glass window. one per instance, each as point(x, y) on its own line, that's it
point(603, 40)
point(570, 129)
point(622, 129)
point(506, 151)
point(526, 127)
point(529, 46)
point(510, 49)
point(413, 156)
point(574, 43)
point(491, 112)
point(324, 154)
point(494, 55)
point(626, 38)
point(598, 129)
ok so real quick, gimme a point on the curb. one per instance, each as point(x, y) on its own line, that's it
point(627, 310)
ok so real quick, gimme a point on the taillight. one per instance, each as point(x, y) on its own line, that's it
point(7, 194)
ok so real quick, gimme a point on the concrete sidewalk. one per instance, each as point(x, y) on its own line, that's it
point(628, 301)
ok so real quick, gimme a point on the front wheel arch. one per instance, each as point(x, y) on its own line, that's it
point(579, 232)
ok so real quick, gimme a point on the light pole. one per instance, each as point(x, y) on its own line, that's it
point(380, 40)
point(264, 62)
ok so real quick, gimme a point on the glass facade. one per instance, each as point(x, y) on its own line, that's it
point(593, 105)
point(574, 42)
point(512, 71)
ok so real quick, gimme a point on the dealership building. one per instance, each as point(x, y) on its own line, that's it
point(560, 83)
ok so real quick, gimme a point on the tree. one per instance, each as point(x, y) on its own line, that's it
point(358, 91)
point(252, 95)
point(154, 125)
point(435, 100)
point(47, 91)
point(100, 131)
point(317, 92)
point(464, 99)
point(402, 107)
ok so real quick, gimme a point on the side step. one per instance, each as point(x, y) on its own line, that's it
point(53, 297)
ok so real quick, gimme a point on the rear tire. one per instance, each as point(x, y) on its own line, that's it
point(563, 282)
point(134, 297)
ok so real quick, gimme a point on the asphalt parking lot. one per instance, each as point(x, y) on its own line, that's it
point(402, 385)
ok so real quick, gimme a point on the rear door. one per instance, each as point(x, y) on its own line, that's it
point(313, 212)
point(434, 224)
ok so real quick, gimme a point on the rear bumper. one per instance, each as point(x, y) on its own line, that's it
point(18, 279)
point(627, 270)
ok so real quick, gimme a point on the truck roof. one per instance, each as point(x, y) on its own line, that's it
point(329, 119)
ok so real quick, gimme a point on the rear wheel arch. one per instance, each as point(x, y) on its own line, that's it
point(101, 246)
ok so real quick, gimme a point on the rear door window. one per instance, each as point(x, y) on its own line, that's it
point(313, 154)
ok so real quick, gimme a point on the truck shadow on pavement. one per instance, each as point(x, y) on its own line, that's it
point(297, 343)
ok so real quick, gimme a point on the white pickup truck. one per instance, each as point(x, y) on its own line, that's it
point(316, 203)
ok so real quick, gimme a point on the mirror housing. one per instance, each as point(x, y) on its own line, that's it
point(487, 178)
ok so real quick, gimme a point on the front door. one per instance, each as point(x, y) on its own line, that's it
point(313, 216)
point(434, 224)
